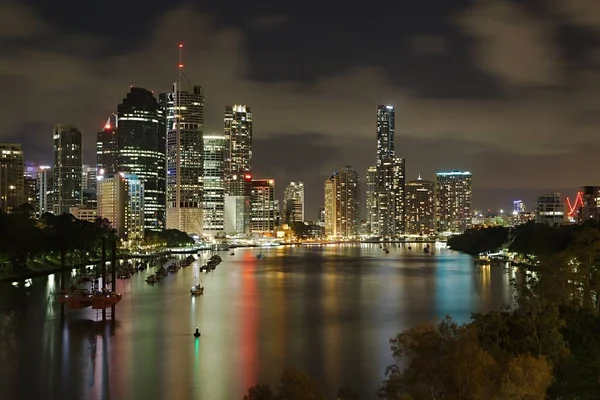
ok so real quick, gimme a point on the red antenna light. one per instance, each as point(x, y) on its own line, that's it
point(180, 45)
point(180, 65)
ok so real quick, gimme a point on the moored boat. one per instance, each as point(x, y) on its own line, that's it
point(197, 290)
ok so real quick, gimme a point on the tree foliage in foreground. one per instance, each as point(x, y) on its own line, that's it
point(545, 347)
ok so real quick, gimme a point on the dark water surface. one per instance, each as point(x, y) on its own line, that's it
point(328, 310)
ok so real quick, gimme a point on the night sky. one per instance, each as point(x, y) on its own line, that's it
point(506, 89)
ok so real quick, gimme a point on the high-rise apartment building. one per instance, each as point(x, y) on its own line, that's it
point(372, 181)
point(329, 207)
point(386, 181)
point(45, 187)
point(68, 168)
point(386, 128)
point(453, 201)
point(293, 203)
point(12, 174)
point(420, 207)
point(342, 204)
point(107, 148)
point(215, 147)
point(237, 215)
point(121, 201)
point(262, 207)
point(184, 110)
point(390, 197)
point(238, 159)
point(550, 209)
point(141, 141)
point(590, 204)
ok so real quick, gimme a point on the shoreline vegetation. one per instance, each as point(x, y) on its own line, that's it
point(31, 247)
point(546, 346)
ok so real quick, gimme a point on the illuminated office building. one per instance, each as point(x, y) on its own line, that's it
point(386, 128)
point(214, 184)
point(12, 176)
point(371, 210)
point(238, 159)
point(184, 110)
point(262, 207)
point(68, 168)
point(453, 201)
point(121, 201)
point(390, 198)
point(342, 204)
point(141, 137)
point(293, 203)
point(107, 148)
point(420, 207)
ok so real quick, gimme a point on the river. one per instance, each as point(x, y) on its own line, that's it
point(329, 310)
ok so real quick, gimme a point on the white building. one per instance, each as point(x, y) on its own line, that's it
point(121, 201)
point(550, 209)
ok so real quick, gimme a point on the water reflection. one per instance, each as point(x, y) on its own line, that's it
point(329, 310)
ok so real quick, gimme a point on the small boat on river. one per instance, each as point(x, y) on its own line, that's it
point(197, 290)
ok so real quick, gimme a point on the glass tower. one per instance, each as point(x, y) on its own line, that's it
point(184, 110)
point(214, 183)
point(238, 158)
point(68, 168)
point(142, 148)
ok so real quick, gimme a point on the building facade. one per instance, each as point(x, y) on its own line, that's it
point(12, 176)
point(45, 187)
point(121, 201)
point(262, 207)
point(107, 148)
point(370, 204)
point(420, 207)
point(237, 215)
point(550, 209)
point(342, 204)
point(391, 179)
point(386, 128)
point(453, 201)
point(329, 207)
point(141, 136)
point(184, 110)
point(238, 159)
point(590, 204)
point(293, 203)
point(215, 147)
point(84, 213)
point(68, 168)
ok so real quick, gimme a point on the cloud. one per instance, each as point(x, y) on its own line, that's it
point(18, 21)
point(270, 22)
point(512, 44)
point(584, 13)
point(428, 45)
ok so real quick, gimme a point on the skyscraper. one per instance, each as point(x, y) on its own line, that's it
point(342, 204)
point(391, 179)
point(68, 165)
point(215, 147)
point(293, 203)
point(386, 128)
point(142, 146)
point(184, 110)
point(372, 184)
point(121, 201)
point(107, 148)
point(420, 207)
point(386, 196)
point(329, 206)
point(453, 201)
point(45, 185)
point(262, 207)
point(12, 174)
point(238, 159)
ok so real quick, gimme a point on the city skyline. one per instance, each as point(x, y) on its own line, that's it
point(456, 107)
